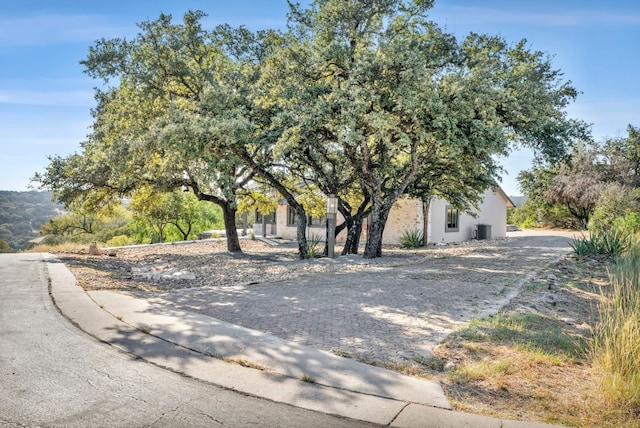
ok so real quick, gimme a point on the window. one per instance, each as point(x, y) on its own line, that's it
point(269, 218)
point(452, 219)
point(292, 219)
point(292, 216)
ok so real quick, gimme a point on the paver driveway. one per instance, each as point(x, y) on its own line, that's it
point(389, 312)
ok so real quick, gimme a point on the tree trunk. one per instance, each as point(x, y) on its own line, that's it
point(282, 189)
point(379, 215)
point(229, 216)
point(425, 222)
point(353, 224)
point(354, 231)
point(301, 232)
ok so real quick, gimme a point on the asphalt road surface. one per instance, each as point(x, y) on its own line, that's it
point(52, 374)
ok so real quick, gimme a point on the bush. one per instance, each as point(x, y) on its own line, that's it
point(616, 201)
point(628, 224)
point(411, 239)
point(616, 342)
point(119, 241)
point(528, 223)
point(532, 214)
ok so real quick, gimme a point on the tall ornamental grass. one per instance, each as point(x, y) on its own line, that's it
point(616, 343)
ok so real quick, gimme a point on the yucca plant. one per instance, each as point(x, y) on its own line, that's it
point(610, 243)
point(313, 246)
point(411, 239)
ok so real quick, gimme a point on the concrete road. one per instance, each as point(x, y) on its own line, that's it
point(52, 374)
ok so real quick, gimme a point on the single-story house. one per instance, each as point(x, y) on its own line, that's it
point(444, 223)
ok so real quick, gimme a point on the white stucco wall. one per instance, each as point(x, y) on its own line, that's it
point(492, 211)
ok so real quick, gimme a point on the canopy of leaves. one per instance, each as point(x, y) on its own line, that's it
point(378, 95)
point(364, 99)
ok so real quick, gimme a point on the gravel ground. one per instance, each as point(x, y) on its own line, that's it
point(165, 267)
point(387, 309)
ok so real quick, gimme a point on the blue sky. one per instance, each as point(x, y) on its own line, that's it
point(45, 99)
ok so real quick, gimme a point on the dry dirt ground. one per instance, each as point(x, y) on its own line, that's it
point(498, 366)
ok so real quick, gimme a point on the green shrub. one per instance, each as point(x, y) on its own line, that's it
point(411, 239)
point(528, 223)
point(119, 241)
point(628, 224)
point(615, 201)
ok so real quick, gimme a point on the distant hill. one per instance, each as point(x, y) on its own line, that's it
point(518, 200)
point(22, 214)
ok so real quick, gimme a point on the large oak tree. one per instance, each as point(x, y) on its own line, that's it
point(408, 107)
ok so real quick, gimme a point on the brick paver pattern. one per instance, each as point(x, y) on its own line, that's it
point(390, 312)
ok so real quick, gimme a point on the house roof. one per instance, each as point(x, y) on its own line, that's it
point(504, 196)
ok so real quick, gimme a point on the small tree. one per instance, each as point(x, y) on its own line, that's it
point(154, 209)
point(4, 246)
point(577, 185)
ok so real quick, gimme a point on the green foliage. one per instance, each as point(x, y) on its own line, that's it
point(597, 184)
point(616, 342)
point(259, 201)
point(409, 108)
point(527, 223)
point(532, 215)
point(81, 226)
point(171, 98)
point(358, 98)
point(615, 201)
point(173, 216)
point(4, 246)
point(120, 241)
point(577, 185)
point(412, 239)
point(119, 226)
point(629, 224)
point(611, 243)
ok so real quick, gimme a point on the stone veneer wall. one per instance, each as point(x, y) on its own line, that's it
point(406, 214)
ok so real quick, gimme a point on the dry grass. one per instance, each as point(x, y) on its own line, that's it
point(616, 345)
point(244, 363)
point(531, 364)
point(60, 248)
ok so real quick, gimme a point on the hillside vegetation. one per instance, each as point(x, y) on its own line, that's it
point(22, 214)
